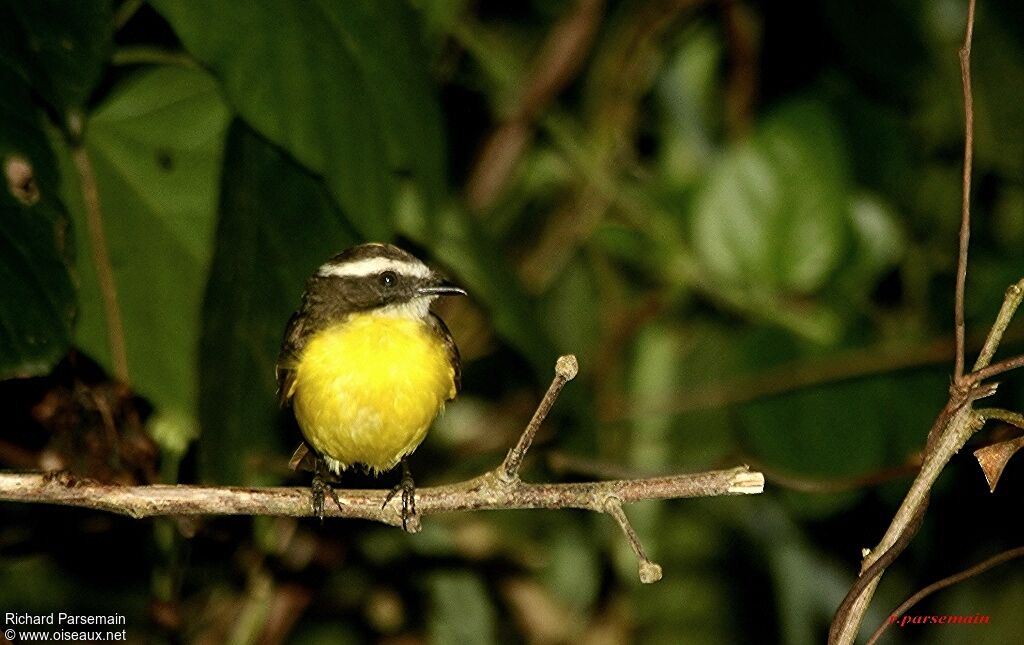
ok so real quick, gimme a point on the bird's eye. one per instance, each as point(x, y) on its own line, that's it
point(388, 279)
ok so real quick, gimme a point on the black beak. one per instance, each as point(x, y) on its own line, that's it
point(443, 288)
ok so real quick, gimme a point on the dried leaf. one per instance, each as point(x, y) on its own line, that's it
point(993, 459)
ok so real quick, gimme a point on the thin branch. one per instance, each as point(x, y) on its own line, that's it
point(500, 488)
point(486, 492)
point(649, 571)
point(952, 428)
point(1006, 416)
point(1011, 301)
point(566, 369)
point(955, 423)
point(101, 261)
point(965, 213)
point(995, 369)
point(977, 569)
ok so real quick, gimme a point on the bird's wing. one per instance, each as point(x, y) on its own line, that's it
point(294, 338)
point(441, 330)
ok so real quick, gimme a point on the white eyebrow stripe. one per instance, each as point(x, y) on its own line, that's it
point(373, 266)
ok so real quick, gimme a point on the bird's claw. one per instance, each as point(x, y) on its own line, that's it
point(410, 521)
point(320, 490)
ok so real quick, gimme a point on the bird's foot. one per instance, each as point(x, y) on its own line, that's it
point(410, 520)
point(320, 490)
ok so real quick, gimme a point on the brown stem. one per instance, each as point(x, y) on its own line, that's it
point(979, 568)
point(101, 261)
point(965, 212)
point(565, 370)
point(649, 571)
point(1011, 301)
point(485, 492)
point(995, 369)
point(954, 425)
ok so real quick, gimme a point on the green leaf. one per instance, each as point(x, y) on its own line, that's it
point(59, 46)
point(277, 224)
point(772, 215)
point(37, 297)
point(155, 146)
point(343, 87)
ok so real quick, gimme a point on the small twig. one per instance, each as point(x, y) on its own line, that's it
point(977, 569)
point(1011, 301)
point(500, 488)
point(566, 369)
point(649, 571)
point(995, 369)
point(1006, 416)
point(965, 212)
point(101, 260)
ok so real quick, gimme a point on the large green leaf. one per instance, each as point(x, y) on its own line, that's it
point(37, 298)
point(60, 46)
point(343, 87)
point(277, 224)
point(772, 215)
point(155, 146)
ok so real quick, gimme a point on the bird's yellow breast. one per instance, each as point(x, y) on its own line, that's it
point(366, 390)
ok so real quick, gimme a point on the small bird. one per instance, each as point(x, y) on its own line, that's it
point(366, 366)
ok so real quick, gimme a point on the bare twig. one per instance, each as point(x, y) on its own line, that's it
point(1011, 301)
point(995, 369)
point(649, 571)
point(957, 421)
point(101, 261)
point(500, 488)
point(977, 569)
point(565, 370)
point(1006, 416)
point(965, 212)
point(478, 494)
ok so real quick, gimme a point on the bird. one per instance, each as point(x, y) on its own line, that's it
point(366, 366)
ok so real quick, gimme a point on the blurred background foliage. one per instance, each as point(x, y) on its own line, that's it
point(740, 215)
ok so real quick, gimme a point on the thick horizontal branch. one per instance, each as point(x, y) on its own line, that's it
point(500, 488)
point(482, 493)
